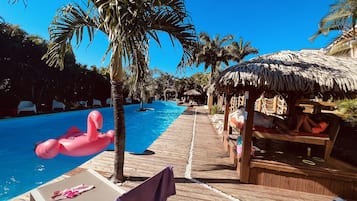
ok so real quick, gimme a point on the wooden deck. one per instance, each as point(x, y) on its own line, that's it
point(202, 167)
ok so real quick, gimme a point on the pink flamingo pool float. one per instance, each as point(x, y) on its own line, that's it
point(77, 143)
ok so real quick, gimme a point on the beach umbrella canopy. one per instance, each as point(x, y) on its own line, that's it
point(192, 92)
point(306, 71)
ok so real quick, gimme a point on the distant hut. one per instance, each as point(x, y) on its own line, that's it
point(192, 94)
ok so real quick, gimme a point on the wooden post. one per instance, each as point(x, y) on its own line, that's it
point(247, 136)
point(226, 111)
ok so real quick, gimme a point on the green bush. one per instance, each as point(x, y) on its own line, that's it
point(216, 110)
point(348, 108)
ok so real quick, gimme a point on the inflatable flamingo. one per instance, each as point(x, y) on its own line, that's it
point(77, 143)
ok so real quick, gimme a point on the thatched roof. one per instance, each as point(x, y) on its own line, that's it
point(304, 71)
point(192, 92)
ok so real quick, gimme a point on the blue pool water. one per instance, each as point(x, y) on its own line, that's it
point(21, 170)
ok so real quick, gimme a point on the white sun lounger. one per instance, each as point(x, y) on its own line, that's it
point(58, 105)
point(97, 103)
point(103, 188)
point(109, 102)
point(26, 106)
point(156, 188)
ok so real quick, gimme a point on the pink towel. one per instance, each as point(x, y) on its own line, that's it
point(156, 188)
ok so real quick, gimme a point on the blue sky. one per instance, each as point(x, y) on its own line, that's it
point(270, 26)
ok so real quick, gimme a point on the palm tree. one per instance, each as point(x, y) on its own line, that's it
point(342, 16)
point(214, 52)
point(238, 50)
point(129, 25)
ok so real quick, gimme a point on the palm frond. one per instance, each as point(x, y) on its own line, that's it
point(69, 21)
point(173, 26)
point(342, 16)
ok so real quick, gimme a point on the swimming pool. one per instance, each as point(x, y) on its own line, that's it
point(21, 170)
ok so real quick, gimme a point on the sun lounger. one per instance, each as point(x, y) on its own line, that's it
point(58, 105)
point(326, 139)
point(109, 102)
point(83, 104)
point(156, 188)
point(103, 188)
point(97, 103)
point(26, 106)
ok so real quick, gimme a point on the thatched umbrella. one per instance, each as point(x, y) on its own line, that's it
point(192, 92)
point(304, 71)
point(299, 73)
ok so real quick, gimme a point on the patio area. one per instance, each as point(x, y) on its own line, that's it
point(202, 167)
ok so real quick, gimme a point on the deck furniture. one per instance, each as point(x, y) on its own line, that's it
point(109, 102)
point(58, 105)
point(103, 188)
point(26, 106)
point(158, 187)
point(97, 103)
point(83, 103)
point(326, 139)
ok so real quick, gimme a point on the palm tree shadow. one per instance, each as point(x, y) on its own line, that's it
point(146, 152)
point(219, 167)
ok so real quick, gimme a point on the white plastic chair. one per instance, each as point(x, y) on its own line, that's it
point(109, 102)
point(97, 103)
point(26, 106)
point(58, 105)
point(83, 103)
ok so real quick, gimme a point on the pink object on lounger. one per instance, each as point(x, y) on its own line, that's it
point(156, 188)
point(71, 192)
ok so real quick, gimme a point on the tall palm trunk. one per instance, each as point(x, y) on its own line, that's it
point(209, 94)
point(119, 127)
point(117, 90)
point(141, 96)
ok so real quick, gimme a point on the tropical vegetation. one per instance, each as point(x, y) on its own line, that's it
point(342, 16)
point(348, 108)
point(26, 77)
point(212, 52)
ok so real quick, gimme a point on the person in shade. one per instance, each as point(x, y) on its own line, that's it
point(306, 124)
point(157, 188)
